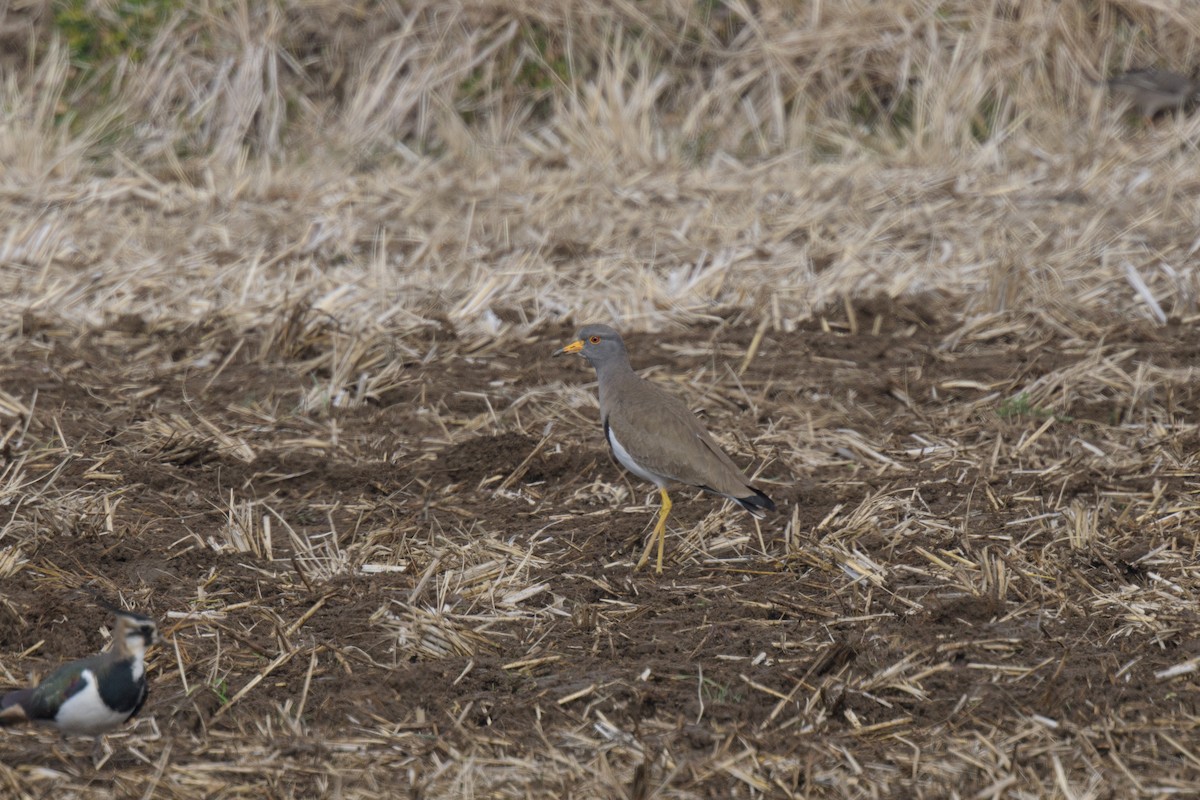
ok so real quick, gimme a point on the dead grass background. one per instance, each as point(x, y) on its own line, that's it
point(367, 205)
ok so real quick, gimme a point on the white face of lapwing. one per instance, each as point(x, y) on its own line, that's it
point(137, 633)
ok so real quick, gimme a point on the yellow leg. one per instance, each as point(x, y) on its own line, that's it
point(662, 528)
point(660, 533)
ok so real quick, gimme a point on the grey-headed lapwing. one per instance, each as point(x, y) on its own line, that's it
point(654, 435)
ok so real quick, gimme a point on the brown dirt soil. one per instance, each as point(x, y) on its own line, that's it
point(984, 535)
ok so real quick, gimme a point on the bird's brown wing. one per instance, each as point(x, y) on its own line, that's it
point(663, 436)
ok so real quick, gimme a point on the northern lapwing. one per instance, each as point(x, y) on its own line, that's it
point(94, 695)
point(654, 435)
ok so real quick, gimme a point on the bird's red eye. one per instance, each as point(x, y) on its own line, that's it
point(594, 340)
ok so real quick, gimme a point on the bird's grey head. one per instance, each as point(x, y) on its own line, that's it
point(135, 632)
point(599, 344)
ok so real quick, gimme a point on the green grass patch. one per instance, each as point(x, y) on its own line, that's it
point(1021, 406)
point(533, 65)
point(96, 34)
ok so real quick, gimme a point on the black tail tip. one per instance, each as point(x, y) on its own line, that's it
point(757, 503)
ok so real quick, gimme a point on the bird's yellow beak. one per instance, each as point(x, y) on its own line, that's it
point(573, 347)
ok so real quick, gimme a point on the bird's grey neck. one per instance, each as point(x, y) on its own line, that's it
point(613, 368)
point(612, 373)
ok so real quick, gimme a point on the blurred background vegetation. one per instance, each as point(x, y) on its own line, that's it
point(668, 81)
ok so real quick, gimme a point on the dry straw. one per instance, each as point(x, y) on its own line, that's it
point(276, 281)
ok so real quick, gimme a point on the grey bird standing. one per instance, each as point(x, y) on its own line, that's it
point(654, 435)
point(93, 695)
point(1150, 91)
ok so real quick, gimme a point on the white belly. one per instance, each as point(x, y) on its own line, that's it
point(628, 463)
point(84, 713)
